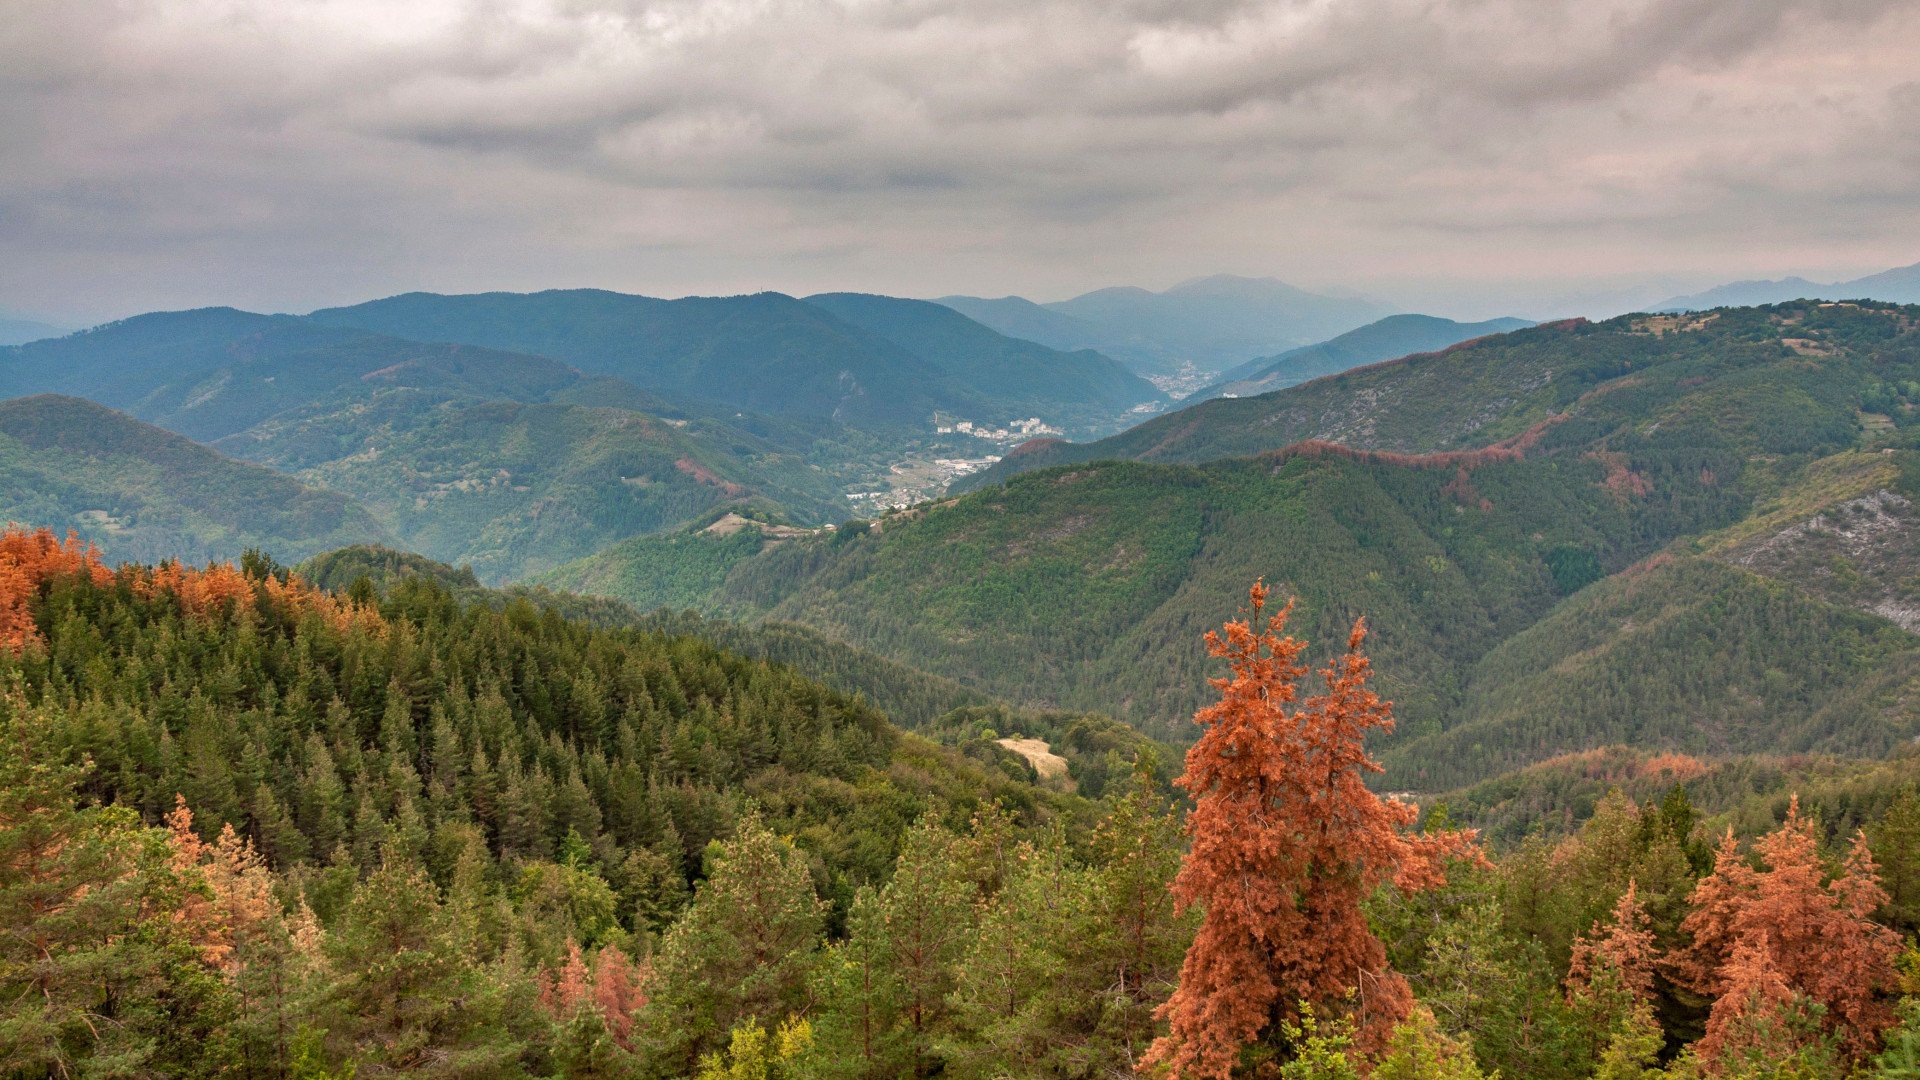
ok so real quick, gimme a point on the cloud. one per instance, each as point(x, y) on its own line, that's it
point(286, 153)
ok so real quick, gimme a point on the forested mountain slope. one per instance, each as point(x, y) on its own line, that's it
point(1799, 373)
point(1678, 541)
point(767, 352)
point(327, 727)
point(1080, 385)
point(1090, 588)
point(141, 493)
point(511, 462)
point(1391, 337)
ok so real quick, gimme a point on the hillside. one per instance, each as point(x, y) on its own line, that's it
point(1073, 387)
point(140, 493)
point(1391, 337)
point(767, 352)
point(1018, 317)
point(513, 463)
point(1220, 321)
point(1795, 376)
point(515, 489)
point(1515, 611)
point(19, 331)
point(1090, 588)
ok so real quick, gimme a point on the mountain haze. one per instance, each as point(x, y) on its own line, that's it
point(1898, 286)
point(1387, 339)
point(1213, 323)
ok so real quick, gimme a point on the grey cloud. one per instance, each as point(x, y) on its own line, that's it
point(221, 150)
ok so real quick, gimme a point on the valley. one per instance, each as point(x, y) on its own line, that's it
point(578, 631)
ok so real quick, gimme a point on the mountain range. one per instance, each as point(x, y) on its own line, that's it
point(895, 364)
point(1390, 338)
point(1212, 323)
point(515, 461)
point(19, 331)
point(1899, 286)
point(1682, 533)
point(1590, 500)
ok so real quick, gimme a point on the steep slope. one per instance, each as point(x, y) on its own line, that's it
point(1684, 655)
point(767, 352)
point(514, 489)
point(140, 493)
point(1090, 588)
point(1076, 387)
point(1391, 337)
point(1794, 376)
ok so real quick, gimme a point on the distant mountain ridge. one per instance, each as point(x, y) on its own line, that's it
point(21, 331)
point(1390, 338)
point(1213, 322)
point(1900, 285)
point(1013, 372)
point(891, 365)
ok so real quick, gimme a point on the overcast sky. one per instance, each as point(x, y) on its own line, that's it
point(1452, 155)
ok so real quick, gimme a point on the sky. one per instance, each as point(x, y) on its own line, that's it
point(1466, 157)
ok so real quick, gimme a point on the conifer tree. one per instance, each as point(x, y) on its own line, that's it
point(1286, 842)
point(743, 949)
point(405, 995)
point(1820, 939)
point(95, 976)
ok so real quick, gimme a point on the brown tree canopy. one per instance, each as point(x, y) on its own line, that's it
point(1819, 936)
point(1287, 840)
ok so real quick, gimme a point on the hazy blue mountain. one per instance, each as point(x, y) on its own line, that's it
point(1748, 294)
point(1016, 373)
point(1217, 322)
point(20, 331)
point(141, 493)
point(1019, 317)
point(1392, 337)
point(1212, 322)
point(1899, 286)
point(767, 352)
point(215, 372)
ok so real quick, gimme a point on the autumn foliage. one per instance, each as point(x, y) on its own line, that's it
point(29, 560)
point(26, 560)
point(1287, 840)
point(1624, 948)
point(1750, 927)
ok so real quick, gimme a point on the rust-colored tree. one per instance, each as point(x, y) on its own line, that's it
point(1287, 840)
point(563, 991)
point(619, 991)
point(26, 560)
point(1758, 1017)
point(1819, 936)
point(238, 900)
point(1623, 951)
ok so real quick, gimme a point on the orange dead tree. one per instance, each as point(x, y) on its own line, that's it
point(1287, 841)
point(1817, 934)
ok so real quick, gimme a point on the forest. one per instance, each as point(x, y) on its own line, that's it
point(250, 827)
